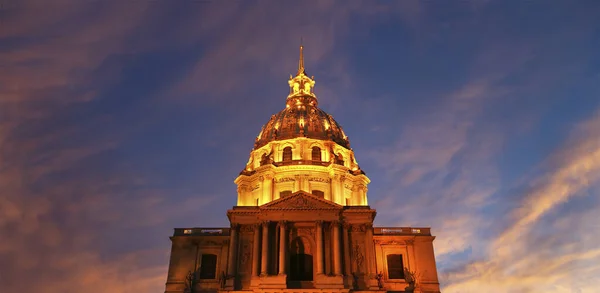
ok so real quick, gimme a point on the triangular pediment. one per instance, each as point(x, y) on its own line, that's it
point(301, 200)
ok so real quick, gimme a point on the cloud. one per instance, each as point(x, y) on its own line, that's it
point(522, 260)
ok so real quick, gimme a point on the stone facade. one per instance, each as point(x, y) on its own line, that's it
point(302, 221)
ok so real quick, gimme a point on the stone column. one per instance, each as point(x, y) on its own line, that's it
point(267, 188)
point(319, 248)
point(264, 265)
point(335, 188)
point(232, 250)
point(347, 248)
point(282, 248)
point(256, 251)
point(297, 183)
point(337, 257)
point(370, 250)
point(305, 183)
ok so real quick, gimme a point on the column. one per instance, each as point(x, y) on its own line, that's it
point(370, 249)
point(267, 188)
point(319, 248)
point(346, 247)
point(297, 182)
point(282, 248)
point(337, 258)
point(256, 251)
point(305, 184)
point(232, 250)
point(335, 188)
point(264, 265)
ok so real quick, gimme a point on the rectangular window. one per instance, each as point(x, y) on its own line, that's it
point(208, 266)
point(395, 266)
point(318, 193)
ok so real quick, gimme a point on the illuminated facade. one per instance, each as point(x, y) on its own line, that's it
point(302, 221)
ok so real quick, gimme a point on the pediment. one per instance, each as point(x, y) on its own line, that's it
point(301, 200)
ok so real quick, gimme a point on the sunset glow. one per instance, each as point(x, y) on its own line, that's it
point(121, 120)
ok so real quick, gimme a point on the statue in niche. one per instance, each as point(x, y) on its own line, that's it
point(307, 87)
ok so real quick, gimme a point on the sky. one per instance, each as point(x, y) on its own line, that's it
point(121, 120)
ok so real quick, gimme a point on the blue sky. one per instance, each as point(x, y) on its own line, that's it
point(120, 120)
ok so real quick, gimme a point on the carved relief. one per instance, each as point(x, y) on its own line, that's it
point(357, 256)
point(319, 179)
point(358, 228)
point(390, 242)
point(284, 179)
point(302, 203)
point(245, 251)
point(247, 228)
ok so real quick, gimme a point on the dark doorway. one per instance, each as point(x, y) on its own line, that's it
point(301, 267)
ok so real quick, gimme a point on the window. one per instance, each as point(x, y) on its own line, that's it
point(395, 266)
point(287, 154)
point(319, 193)
point(208, 266)
point(316, 153)
point(339, 159)
point(285, 193)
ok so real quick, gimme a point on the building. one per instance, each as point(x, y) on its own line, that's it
point(302, 222)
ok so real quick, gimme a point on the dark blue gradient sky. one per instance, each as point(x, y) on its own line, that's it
point(120, 120)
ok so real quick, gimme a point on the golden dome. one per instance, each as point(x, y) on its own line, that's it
point(301, 116)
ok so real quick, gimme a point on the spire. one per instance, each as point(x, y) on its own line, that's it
point(301, 62)
point(301, 84)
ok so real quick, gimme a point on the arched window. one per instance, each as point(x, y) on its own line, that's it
point(287, 154)
point(316, 153)
point(285, 193)
point(208, 266)
point(339, 159)
point(318, 193)
point(395, 266)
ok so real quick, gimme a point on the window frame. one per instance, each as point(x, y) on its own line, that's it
point(387, 265)
point(201, 276)
point(314, 151)
point(283, 154)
